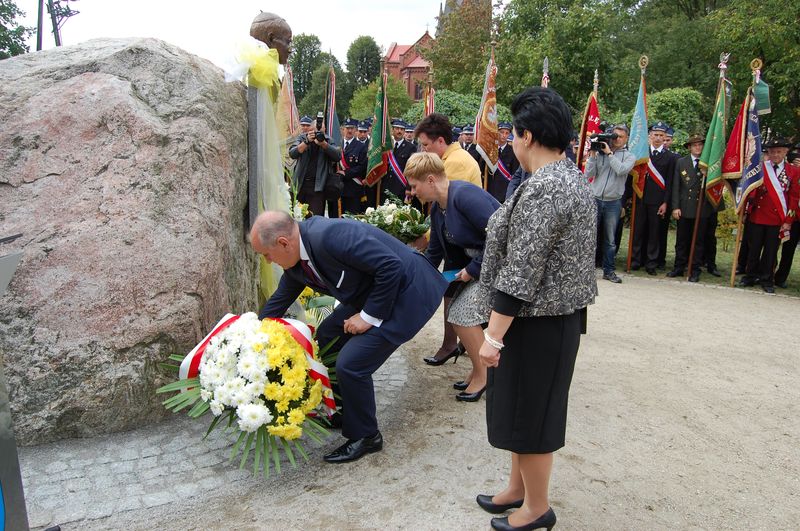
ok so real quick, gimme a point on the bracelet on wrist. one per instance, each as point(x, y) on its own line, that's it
point(494, 343)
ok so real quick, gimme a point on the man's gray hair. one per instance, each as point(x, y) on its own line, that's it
point(271, 225)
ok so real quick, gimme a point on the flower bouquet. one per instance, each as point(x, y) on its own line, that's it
point(402, 221)
point(262, 380)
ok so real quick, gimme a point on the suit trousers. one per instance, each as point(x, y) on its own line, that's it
point(744, 250)
point(663, 231)
point(709, 259)
point(353, 205)
point(646, 228)
point(314, 200)
point(762, 252)
point(683, 244)
point(787, 254)
point(359, 357)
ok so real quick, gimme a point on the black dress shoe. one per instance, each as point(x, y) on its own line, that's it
point(747, 282)
point(455, 353)
point(485, 501)
point(463, 396)
point(355, 449)
point(714, 271)
point(768, 289)
point(547, 520)
point(651, 271)
point(675, 273)
point(460, 386)
point(695, 277)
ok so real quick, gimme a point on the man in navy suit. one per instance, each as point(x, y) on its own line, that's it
point(387, 293)
point(354, 166)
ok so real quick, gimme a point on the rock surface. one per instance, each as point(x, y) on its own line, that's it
point(124, 165)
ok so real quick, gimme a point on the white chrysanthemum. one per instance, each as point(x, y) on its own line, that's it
point(205, 395)
point(248, 366)
point(252, 416)
point(216, 408)
point(389, 218)
point(369, 211)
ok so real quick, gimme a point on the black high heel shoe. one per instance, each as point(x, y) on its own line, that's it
point(455, 353)
point(547, 520)
point(486, 503)
point(470, 397)
point(460, 386)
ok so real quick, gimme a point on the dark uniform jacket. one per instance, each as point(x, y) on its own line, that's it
point(355, 155)
point(687, 185)
point(664, 162)
point(498, 184)
point(390, 181)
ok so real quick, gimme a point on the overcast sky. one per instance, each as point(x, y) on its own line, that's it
point(210, 28)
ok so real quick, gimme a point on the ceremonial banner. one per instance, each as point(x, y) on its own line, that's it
point(380, 144)
point(714, 148)
point(331, 118)
point(639, 142)
point(287, 117)
point(589, 126)
point(750, 142)
point(487, 137)
point(430, 100)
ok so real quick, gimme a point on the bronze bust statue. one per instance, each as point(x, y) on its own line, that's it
point(273, 31)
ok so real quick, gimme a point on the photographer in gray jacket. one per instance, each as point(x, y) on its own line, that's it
point(607, 168)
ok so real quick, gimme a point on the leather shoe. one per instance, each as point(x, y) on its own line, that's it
point(651, 271)
point(714, 271)
point(355, 449)
point(695, 276)
point(463, 396)
point(675, 273)
point(336, 421)
point(747, 282)
point(460, 386)
point(768, 289)
point(485, 501)
point(547, 520)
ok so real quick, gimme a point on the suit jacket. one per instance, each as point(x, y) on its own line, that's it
point(326, 163)
point(355, 155)
point(764, 211)
point(687, 185)
point(468, 211)
point(665, 164)
point(364, 267)
point(498, 184)
point(390, 181)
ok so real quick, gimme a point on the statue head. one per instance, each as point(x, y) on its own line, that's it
point(273, 31)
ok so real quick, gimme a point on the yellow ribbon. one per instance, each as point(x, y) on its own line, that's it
point(263, 66)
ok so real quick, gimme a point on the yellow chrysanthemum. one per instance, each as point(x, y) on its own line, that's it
point(296, 416)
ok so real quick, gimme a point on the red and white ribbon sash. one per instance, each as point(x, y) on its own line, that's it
point(190, 366)
point(775, 189)
point(503, 170)
point(396, 169)
point(656, 175)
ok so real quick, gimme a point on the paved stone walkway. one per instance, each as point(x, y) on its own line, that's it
point(81, 480)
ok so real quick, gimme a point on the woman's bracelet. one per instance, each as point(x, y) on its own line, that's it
point(492, 341)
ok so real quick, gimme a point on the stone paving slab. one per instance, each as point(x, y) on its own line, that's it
point(81, 480)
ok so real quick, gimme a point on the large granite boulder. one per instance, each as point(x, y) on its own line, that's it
point(124, 165)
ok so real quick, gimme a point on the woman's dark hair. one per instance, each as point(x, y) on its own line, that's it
point(436, 125)
point(543, 112)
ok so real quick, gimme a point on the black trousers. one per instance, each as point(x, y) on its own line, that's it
point(663, 230)
point(353, 205)
point(314, 200)
point(787, 254)
point(647, 226)
point(683, 244)
point(709, 258)
point(333, 208)
point(359, 357)
point(762, 243)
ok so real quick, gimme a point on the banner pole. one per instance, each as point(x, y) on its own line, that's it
point(737, 247)
point(630, 234)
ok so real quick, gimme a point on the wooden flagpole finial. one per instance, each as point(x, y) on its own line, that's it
point(755, 66)
point(643, 62)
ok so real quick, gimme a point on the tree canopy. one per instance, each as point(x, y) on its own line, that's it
point(12, 35)
point(363, 61)
point(363, 102)
point(460, 108)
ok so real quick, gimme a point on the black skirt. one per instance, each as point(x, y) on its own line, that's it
point(527, 393)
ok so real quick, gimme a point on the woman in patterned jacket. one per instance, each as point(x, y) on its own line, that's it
point(537, 280)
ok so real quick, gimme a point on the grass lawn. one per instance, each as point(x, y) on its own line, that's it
point(724, 260)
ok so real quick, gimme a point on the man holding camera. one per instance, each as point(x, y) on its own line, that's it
point(315, 171)
point(607, 168)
